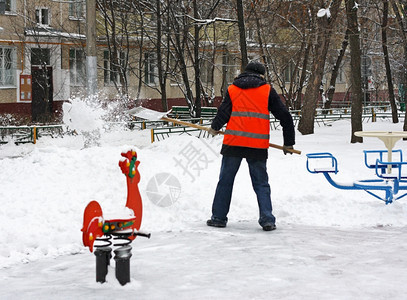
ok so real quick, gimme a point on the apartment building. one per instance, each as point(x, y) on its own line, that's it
point(43, 61)
point(35, 42)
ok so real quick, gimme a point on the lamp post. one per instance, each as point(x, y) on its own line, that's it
point(91, 55)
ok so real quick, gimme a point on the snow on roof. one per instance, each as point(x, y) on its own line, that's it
point(50, 32)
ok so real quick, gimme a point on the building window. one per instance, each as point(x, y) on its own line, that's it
point(250, 34)
point(173, 70)
point(7, 6)
point(206, 73)
point(77, 67)
point(111, 70)
point(40, 56)
point(7, 66)
point(42, 16)
point(229, 68)
point(76, 9)
point(341, 75)
point(149, 68)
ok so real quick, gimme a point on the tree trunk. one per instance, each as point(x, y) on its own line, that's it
point(335, 72)
point(404, 29)
point(196, 65)
point(325, 24)
point(161, 76)
point(402, 5)
point(179, 48)
point(242, 34)
point(303, 76)
point(387, 62)
point(405, 88)
point(356, 74)
point(139, 84)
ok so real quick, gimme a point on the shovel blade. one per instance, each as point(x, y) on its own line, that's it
point(147, 114)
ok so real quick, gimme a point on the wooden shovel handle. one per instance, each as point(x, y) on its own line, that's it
point(281, 148)
point(176, 121)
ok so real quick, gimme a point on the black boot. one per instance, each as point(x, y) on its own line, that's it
point(213, 223)
point(269, 227)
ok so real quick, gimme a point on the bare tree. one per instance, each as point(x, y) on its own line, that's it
point(387, 61)
point(400, 10)
point(335, 71)
point(197, 67)
point(116, 17)
point(326, 21)
point(180, 27)
point(162, 74)
point(137, 69)
point(288, 25)
point(242, 33)
point(187, 46)
point(356, 75)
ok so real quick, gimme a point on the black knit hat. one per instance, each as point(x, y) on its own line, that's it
point(255, 67)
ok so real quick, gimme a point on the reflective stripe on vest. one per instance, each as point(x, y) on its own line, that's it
point(248, 125)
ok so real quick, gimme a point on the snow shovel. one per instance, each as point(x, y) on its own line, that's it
point(152, 115)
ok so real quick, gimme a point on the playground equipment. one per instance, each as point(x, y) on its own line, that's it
point(389, 138)
point(390, 184)
point(125, 230)
point(387, 181)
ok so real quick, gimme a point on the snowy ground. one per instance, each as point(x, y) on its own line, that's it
point(330, 243)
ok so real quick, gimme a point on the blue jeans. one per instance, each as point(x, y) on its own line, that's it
point(223, 195)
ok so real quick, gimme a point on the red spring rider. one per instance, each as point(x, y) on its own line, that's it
point(95, 226)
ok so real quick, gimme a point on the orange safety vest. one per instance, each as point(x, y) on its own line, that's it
point(249, 124)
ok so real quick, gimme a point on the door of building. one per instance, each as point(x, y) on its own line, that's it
point(42, 86)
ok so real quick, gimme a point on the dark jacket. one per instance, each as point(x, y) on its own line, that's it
point(276, 107)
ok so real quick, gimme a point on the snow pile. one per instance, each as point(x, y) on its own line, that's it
point(45, 187)
point(83, 116)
